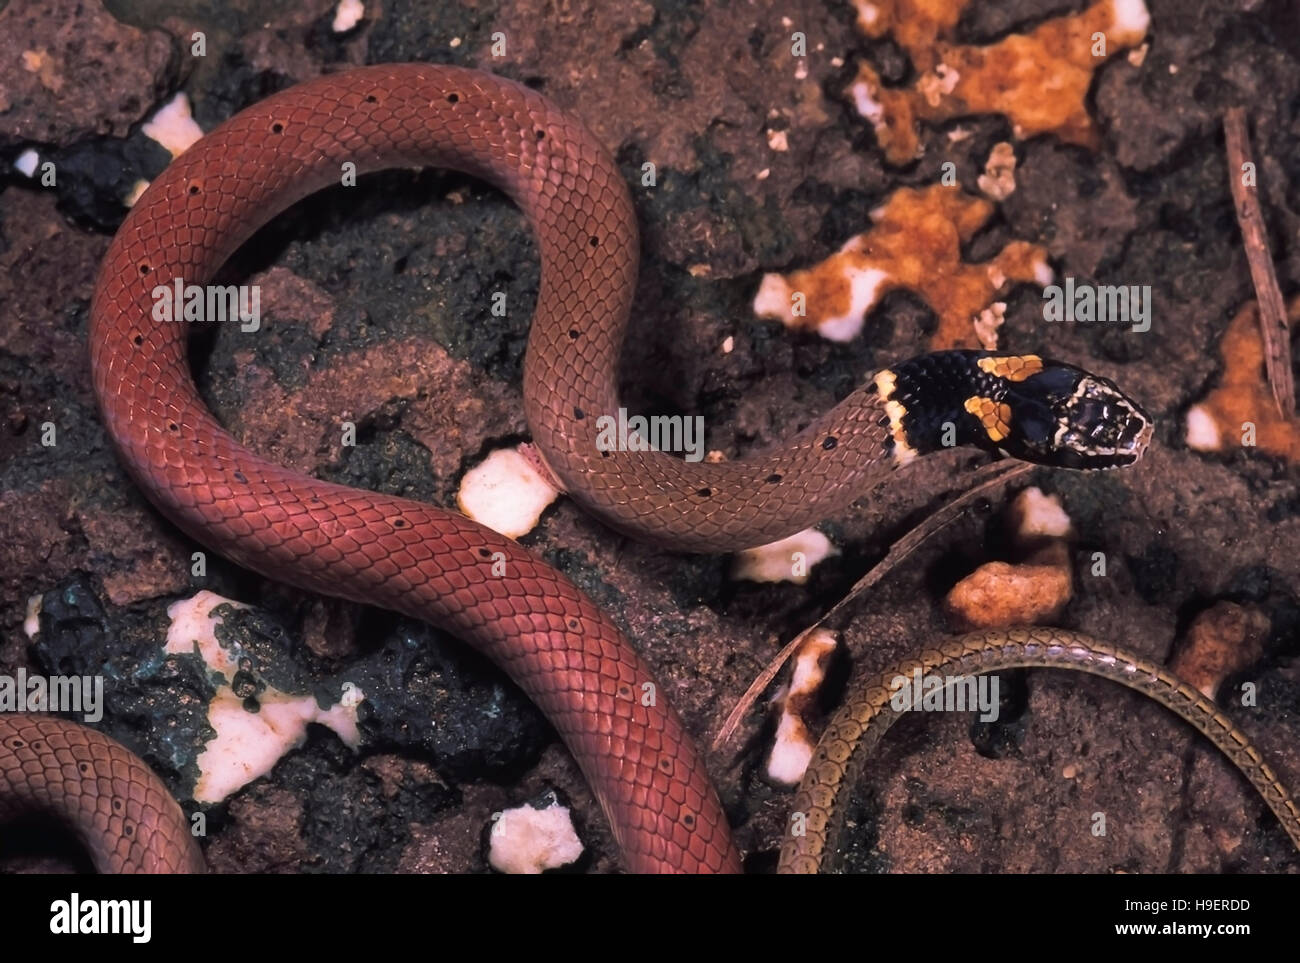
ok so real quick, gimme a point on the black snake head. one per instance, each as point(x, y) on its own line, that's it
point(1065, 417)
point(1045, 412)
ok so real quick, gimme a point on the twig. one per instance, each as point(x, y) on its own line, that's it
point(1272, 310)
point(990, 476)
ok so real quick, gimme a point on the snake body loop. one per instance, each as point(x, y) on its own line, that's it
point(121, 812)
point(436, 565)
point(859, 725)
point(413, 558)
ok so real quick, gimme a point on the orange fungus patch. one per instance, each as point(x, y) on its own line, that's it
point(914, 242)
point(1039, 80)
point(1241, 411)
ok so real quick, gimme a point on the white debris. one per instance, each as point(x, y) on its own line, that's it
point(774, 300)
point(1130, 15)
point(505, 493)
point(25, 163)
point(998, 182)
point(347, 15)
point(173, 126)
point(248, 744)
point(526, 840)
point(867, 106)
point(137, 191)
point(794, 744)
point(987, 324)
point(1202, 432)
point(1036, 515)
point(937, 84)
point(32, 621)
point(868, 14)
point(789, 560)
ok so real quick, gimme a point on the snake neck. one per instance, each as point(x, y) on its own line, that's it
point(928, 402)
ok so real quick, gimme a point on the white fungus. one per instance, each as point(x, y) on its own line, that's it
point(506, 493)
point(347, 15)
point(26, 162)
point(247, 744)
point(1202, 432)
point(527, 840)
point(173, 126)
point(794, 743)
point(32, 621)
point(788, 560)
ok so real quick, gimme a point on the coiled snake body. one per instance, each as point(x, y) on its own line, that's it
point(436, 565)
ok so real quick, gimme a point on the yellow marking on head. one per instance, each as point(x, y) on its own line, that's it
point(1016, 367)
point(993, 415)
point(886, 382)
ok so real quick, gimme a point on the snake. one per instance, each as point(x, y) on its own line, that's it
point(812, 842)
point(419, 560)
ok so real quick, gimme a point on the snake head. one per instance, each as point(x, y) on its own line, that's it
point(1065, 417)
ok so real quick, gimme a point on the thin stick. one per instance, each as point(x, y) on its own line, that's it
point(989, 476)
point(1272, 310)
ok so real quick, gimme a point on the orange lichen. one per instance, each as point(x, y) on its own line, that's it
point(1241, 410)
point(1036, 589)
point(998, 182)
point(916, 25)
point(915, 243)
point(1222, 641)
point(1039, 80)
point(998, 594)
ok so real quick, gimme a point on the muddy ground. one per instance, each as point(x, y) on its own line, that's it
point(378, 309)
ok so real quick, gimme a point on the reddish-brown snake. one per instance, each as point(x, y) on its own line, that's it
point(433, 564)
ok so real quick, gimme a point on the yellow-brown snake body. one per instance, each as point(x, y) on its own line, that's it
point(819, 806)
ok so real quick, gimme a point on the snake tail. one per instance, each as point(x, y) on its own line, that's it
point(812, 839)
